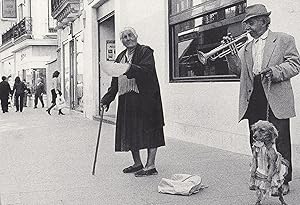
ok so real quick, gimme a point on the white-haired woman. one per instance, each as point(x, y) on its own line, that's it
point(140, 116)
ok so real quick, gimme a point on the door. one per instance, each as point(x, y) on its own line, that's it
point(106, 33)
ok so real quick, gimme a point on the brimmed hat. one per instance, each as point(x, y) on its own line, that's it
point(255, 10)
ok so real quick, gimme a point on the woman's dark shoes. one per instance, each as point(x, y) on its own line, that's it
point(60, 113)
point(144, 173)
point(132, 169)
point(48, 111)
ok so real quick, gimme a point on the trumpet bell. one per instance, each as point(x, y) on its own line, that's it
point(202, 57)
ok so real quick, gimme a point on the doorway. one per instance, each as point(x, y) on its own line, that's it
point(106, 31)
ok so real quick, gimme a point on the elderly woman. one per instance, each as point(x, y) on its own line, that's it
point(139, 117)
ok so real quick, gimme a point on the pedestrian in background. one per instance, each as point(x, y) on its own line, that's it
point(265, 66)
point(140, 116)
point(38, 92)
point(4, 94)
point(19, 92)
point(54, 92)
point(26, 93)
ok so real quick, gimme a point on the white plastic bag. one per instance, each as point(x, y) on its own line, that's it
point(181, 184)
point(60, 102)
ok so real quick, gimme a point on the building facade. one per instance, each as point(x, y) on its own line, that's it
point(28, 39)
point(69, 16)
point(200, 101)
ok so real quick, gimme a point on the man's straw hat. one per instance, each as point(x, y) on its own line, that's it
point(255, 10)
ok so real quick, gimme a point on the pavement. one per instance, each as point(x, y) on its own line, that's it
point(47, 160)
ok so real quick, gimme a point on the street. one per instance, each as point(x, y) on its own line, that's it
point(47, 160)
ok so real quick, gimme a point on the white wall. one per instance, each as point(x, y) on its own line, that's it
point(39, 14)
point(90, 56)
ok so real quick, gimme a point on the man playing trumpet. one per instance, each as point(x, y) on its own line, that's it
point(265, 66)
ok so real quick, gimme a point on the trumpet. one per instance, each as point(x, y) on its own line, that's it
point(231, 47)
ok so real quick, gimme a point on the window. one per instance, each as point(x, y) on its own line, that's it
point(21, 11)
point(199, 25)
point(51, 20)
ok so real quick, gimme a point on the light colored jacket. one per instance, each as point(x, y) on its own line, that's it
point(281, 55)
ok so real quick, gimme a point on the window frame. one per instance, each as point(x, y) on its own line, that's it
point(192, 13)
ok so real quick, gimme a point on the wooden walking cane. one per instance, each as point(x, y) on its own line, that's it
point(98, 139)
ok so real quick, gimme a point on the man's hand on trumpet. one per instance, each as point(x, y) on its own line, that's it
point(227, 40)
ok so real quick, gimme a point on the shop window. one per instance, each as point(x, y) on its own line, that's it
point(200, 25)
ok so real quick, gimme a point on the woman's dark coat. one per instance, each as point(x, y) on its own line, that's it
point(4, 90)
point(143, 69)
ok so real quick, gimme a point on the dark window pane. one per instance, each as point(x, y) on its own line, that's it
point(203, 34)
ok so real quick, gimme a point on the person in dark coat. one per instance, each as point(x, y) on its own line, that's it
point(19, 91)
point(4, 94)
point(140, 118)
point(38, 93)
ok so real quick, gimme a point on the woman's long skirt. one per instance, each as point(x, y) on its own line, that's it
point(130, 132)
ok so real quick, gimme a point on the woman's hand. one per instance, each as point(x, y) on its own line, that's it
point(103, 106)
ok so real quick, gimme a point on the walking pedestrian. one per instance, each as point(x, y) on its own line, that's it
point(38, 92)
point(4, 94)
point(271, 57)
point(140, 116)
point(26, 93)
point(19, 92)
point(54, 92)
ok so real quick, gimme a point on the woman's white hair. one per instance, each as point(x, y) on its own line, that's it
point(128, 29)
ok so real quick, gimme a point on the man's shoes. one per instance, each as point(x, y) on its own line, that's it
point(34, 107)
point(274, 192)
point(252, 187)
point(285, 189)
point(144, 173)
point(132, 169)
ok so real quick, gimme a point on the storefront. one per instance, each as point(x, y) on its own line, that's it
point(72, 65)
point(200, 101)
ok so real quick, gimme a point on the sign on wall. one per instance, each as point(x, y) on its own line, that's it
point(9, 9)
point(110, 50)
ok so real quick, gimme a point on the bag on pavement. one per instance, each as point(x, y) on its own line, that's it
point(60, 102)
point(181, 184)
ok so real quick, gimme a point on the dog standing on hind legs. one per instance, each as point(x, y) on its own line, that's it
point(268, 167)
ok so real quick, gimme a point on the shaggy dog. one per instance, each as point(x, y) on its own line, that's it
point(268, 168)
